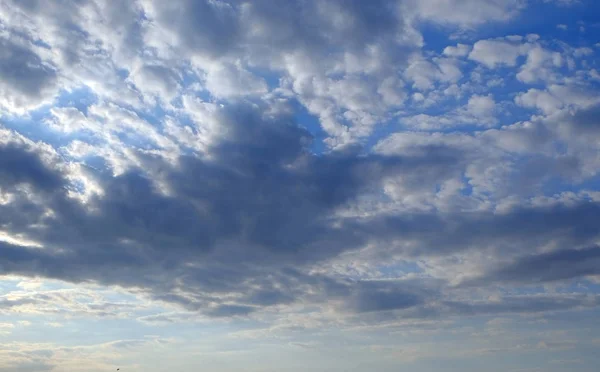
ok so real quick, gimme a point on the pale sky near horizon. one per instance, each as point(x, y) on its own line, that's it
point(299, 185)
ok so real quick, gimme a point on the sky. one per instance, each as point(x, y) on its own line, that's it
point(299, 185)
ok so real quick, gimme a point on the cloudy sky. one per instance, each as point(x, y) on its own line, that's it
point(299, 185)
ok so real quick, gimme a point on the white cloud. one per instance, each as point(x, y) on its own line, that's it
point(535, 98)
point(466, 13)
point(425, 74)
point(498, 52)
point(227, 81)
point(304, 165)
point(556, 97)
point(481, 106)
point(460, 50)
point(478, 111)
point(158, 80)
point(541, 65)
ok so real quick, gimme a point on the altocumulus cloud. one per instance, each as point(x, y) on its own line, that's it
point(248, 159)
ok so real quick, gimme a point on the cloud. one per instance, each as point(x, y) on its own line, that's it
point(19, 356)
point(478, 111)
point(26, 80)
point(231, 81)
point(238, 158)
point(524, 304)
point(498, 52)
point(219, 236)
point(541, 65)
point(382, 296)
point(197, 27)
point(467, 13)
point(460, 50)
point(21, 167)
point(67, 303)
point(424, 74)
point(158, 80)
point(557, 97)
point(257, 174)
point(547, 267)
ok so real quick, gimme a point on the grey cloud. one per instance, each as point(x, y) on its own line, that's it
point(210, 28)
point(446, 305)
point(383, 296)
point(18, 166)
point(507, 233)
point(242, 220)
point(166, 318)
point(584, 122)
point(267, 297)
point(23, 70)
point(230, 310)
point(238, 228)
point(217, 29)
point(309, 25)
point(547, 267)
point(25, 79)
point(262, 202)
point(523, 304)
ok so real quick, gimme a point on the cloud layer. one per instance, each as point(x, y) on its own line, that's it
point(262, 160)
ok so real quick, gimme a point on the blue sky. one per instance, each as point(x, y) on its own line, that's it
point(331, 185)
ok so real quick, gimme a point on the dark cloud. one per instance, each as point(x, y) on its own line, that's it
point(548, 267)
point(261, 203)
point(523, 304)
point(206, 27)
point(25, 167)
point(383, 296)
point(267, 297)
point(510, 233)
point(310, 25)
point(242, 226)
point(235, 232)
point(584, 121)
point(230, 310)
point(25, 78)
point(265, 31)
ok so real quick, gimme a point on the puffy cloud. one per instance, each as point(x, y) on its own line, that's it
point(498, 52)
point(424, 73)
point(203, 232)
point(26, 80)
point(225, 221)
point(158, 80)
point(466, 13)
point(557, 97)
point(540, 65)
point(460, 50)
point(255, 157)
point(235, 159)
point(196, 27)
point(226, 81)
point(541, 100)
point(478, 111)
